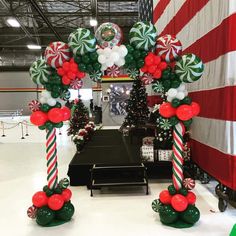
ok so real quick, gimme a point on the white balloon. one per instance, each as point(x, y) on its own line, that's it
point(107, 51)
point(101, 59)
point(99, 51)
point(115, 56)
point(104, 67)
point(109, 63)
point(43, 100)
point(169, 99)
point(46, 94)
point(181, 87)
point(51, 102)
point(121, 62)
point(115, 48)
point(180, 95)
point(172, 92)
point(123, 50)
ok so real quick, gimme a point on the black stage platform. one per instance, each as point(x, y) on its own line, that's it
point(110, 147)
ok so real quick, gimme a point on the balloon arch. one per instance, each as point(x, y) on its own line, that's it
point(155, 60)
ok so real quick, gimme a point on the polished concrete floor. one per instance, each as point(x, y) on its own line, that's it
point(124, 212)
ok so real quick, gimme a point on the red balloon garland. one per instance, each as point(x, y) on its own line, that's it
point(166, 110)
point(38, 118)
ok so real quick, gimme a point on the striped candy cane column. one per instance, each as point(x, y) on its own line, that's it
point(52, 171)
point(178, 160)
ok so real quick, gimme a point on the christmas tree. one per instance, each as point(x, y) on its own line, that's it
point(137, 109)
point(79, 117)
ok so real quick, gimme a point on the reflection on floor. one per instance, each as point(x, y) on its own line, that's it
point(117, 212)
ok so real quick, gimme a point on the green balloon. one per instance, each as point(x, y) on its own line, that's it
point(66, 212)
point(65, 86)
point(143, 54)
point(57, 88)
point(191, 215)
point(187, 100)
point(132, 64)
point(58, 105)
point(129, 58)
point(166, 84)
point(166, 74)
point(77, 59)
point(42, 127)
point(89, 68)
point(55, 94)
point(174, 120)
point(45, 107)
point(93, 56)
point(140, 63)
point(172, 189)
point(97, 66)
point(183, 191)
point(85, 59)
point(187, 123)
point(58, 125)
point(175, 83)
point(49, 192)
point(44, 215)
point(58, 190)
point(168, 215)
point(45, 188)
point(48, 87)
point(129, 48)
point(175, 102)
point(49, 125)
point(136, 54)
point(82, 67)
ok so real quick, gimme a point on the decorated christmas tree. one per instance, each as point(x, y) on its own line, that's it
point(137, 109)
point(79, 117)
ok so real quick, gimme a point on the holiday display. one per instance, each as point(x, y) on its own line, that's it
point(108, 35)
point(176, 206)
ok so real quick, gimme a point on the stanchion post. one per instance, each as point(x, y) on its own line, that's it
point(26, 128)
point(22, 131)
point(59, 131)
point(3, 129)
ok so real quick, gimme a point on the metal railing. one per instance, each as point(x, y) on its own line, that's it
point(11, 113)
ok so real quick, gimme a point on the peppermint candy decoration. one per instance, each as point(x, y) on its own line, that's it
point(65, 95)
point(147, 79)
point(133, 73)
point(113, 71)
point(57, 53)
point(95, 76)
point(156, 205)
point(108, 35)
point(82, 41)
point(64, 183)
point(189, 183)
point(34, 105)
point(76, 83)
point(158, 87)
point(143, 35)
point(164, 123)
point(189, 68)
point(168, 47)
point(32, 212)
point(39, 72)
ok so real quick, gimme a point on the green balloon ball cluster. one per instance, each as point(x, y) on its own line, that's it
point(172, 189)
point(191, 215)
point(168, 215)
point(66, 212)
point(134, 57)
point(44, 216)
point(50, 125)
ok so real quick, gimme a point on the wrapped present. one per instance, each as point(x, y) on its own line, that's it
point(165, 155)
point(147, 153)
point(148, 141)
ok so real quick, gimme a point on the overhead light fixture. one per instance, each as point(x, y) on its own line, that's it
point(13, 22)
point(93, 22)
point(33, 47)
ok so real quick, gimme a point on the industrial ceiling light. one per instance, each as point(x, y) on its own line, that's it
point(33, 47)
point(13, 22)
point(93, 22)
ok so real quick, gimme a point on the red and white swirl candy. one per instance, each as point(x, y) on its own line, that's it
point(113, 71)
point(147, 79)
point(76, 83)
point(34, 105)
point(168, 47)
point(57, 53)
point(32, 211)
point(189, 183)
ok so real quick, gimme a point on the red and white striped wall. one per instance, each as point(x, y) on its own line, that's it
point(207, 28)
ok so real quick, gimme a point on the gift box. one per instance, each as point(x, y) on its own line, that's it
point(148, 141)
point(147, 153)
point(165, 155)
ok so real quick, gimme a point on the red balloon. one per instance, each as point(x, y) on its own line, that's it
point(80, 74)
point(166, 110)
point(66, 195)
point(152, 68)
point(184, 112)
point(55, 202)
point(179, 202)
point(149, 59)
point(191, 197)
point(144, 69)
point(71, 75)
point(55, 115)
point(165, 197)
point(195, 108)
point(40, 199)
point(65, 80)
point(60, 71)
point(66, 66)
point(66, 113)
point(162, 65)
point(73, 68)
point(38, 118)
point(157, 74)
point(157, 60)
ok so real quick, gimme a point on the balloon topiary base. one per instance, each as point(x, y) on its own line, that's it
point(55, 222)
point(179, 224)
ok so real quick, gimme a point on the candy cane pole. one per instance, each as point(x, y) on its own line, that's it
point(52, 171)
point(178, 161)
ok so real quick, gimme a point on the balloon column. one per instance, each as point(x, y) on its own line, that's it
point(176, 206)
